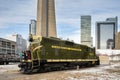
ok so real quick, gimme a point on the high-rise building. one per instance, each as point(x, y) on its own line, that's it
point(86, 30)
point(32, 27)
point(114, 19)
point(21, 44)
point(105, 33)
point(46, 22)
point(117, 40)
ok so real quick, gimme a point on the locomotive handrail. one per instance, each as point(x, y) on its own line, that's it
point(36, 48)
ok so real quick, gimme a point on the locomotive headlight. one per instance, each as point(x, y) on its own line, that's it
point(23, 60)
point(29, 60)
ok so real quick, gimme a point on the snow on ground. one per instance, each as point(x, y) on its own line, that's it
point(102, 72)
point(6, 68)
point(110, 72)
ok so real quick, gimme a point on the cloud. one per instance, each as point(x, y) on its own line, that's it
point(68, 13)
point(69, 21)
point(17, 11)
point(74, 36)
point(15, 16)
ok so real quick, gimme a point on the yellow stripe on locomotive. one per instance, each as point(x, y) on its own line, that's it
point(66, 48)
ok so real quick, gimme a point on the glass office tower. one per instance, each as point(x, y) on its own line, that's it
point(32, 27)
point(105, 33)
point(86, 30)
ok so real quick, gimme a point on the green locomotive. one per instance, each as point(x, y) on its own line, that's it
point(54, 53)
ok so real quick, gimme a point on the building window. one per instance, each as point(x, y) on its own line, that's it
point(3, 44)
point(13, 46)
point(8, 45)
point(4, 51)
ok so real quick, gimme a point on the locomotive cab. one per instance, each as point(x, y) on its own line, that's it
point(30, 57)
point(26, 63)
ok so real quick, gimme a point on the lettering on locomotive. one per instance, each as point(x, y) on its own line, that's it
point(66, 48)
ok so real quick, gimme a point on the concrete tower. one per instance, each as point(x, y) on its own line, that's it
point(46, 22)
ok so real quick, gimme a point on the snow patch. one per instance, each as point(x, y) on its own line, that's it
point(95, 73)
point(5, 68)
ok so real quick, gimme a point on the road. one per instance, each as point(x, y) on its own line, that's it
point(102, 72)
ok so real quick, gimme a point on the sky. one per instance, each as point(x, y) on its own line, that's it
point(15, 16)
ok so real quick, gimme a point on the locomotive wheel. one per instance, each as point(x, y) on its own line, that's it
point(28, 72)
point(24, 71)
